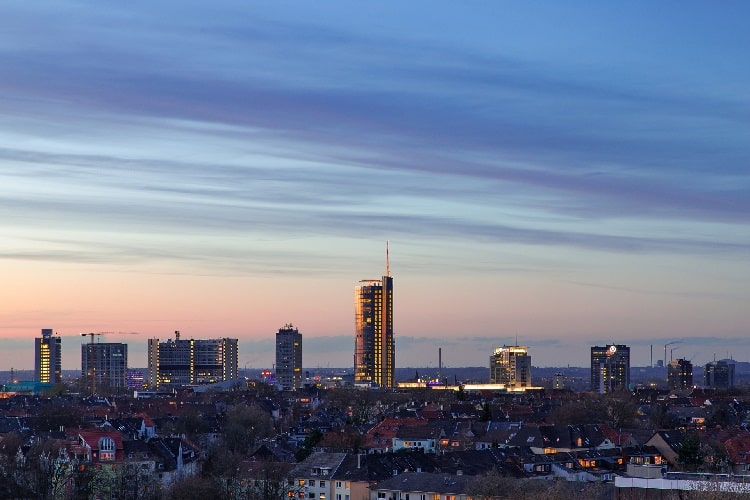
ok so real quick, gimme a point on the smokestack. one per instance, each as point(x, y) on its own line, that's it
point(440, 361)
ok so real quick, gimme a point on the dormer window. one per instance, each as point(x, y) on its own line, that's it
point(107, 449)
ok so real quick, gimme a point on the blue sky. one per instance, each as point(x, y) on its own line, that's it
point(570, 174)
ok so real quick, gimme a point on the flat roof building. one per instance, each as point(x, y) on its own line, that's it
point(182, 362)
point(289, 358)
point(719, 374)
point(103, 366)
point(680, 374)
point(610, 368)
point(48, 358)
point(511, 366)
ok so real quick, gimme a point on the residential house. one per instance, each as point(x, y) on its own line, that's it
point(379, 438)
point(417, 437)
point(456, 436)
point(175, 459)
point(96, 446)
point(358, 472)
point(738, 454)
point(312, 477)
point(667, 444)
point(422, 486)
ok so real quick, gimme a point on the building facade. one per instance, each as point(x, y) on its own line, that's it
point(610, 368)
point(48, 358)
point(511, 365)
point(680, 374)
point(374, 346)
point(719, 374)
point(181, 362)
point(289, 358)
point(103, 366)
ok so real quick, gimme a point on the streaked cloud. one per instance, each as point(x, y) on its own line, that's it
point(242, 141)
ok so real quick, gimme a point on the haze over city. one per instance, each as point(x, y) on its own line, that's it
point(566, 175)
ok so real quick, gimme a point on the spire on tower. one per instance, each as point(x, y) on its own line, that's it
point(387, 261)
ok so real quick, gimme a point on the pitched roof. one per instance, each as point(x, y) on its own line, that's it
point(380, 466)
point(425, 482)
point(738, 449)
point(316, 462)
point(381, 435)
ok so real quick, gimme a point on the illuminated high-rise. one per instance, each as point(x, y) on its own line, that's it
point(680, 374)
point(610, 368)
point(374, 345)
point(180, 362)
point(511, 366)
point(48, 357)
point(289, 358)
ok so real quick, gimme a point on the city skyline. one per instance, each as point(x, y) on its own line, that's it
point(569, 175)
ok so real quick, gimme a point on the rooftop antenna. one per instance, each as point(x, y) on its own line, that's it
point(387, 260)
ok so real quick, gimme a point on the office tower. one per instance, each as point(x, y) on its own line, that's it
point(610, 368)
point(374, 346)
point(103, 366)
point(511, 365)
point(181, 362)
point(680, 374)
point(719, 374)
point(289, 358)
point(48, 358)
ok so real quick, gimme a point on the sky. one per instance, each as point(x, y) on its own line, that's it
point(556, 174)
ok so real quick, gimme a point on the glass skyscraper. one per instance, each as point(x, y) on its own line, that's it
point(374, 346)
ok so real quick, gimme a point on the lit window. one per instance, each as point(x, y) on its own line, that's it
point(107, 449)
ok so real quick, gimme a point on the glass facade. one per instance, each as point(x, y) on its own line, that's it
point(374, 347)
point(511, 365)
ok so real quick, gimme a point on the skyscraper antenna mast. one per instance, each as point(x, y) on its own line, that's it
point(387, 260)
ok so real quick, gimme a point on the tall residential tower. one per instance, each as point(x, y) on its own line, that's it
point(289, 358)
point(680, 374)
point(48, 358)
point(374, 346)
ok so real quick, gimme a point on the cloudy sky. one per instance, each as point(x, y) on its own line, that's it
point(568, 174)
